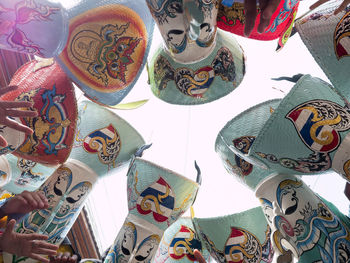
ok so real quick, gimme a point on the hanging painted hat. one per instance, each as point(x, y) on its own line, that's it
point(241, 237)
point(178, 243)
point(301, 222)
point(233, 142)
point(36, 27)
point(197, 64)
point(327, 37)
point(66, 190)
point(107, 47)
point(306, 133)
point(200, 82)
point(103, 140)
point(23, 174)
point(45, 84)
point(157, 197)
point(231, 18)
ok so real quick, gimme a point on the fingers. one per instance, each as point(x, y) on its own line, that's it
point(250, 16)
point(3, 142)
point(21, 113)
point(44, 251)
point(7, 89)
point(43, 199)
point(31, 199)
point(73, 259)
point(34, 237)
point(39, 258)
point(198, 255)
point(17, 126)
point(317, 4)
point(342, 7)
point(9, 227)
point(16, 104)
point(266, 14)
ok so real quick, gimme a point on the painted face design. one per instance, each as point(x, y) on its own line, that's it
point(146, 249)
point(119, 56)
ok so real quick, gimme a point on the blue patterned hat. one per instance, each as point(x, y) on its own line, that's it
point(241, 237)
point(199, 82)
point(307, 133)
point(103, 141)
point(327, 37)
point(234, 141)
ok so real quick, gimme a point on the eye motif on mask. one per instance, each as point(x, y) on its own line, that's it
point(183, 244)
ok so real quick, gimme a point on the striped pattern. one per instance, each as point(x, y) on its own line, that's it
point(302, 119)
point(161, 203)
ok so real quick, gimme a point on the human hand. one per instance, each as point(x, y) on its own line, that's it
point(267, 8)
point(28, 245)
point(64, 258)
point(336, 11)
point(10, 109)
point(25, 202)
point(198, 255)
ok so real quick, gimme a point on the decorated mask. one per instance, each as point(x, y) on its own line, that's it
point(23, 174)
point(35, 27)
point(178, 243)
point(241, 237)
point(107, 47)
point(231, 18)
point(157, 197)
point(326, 37)
point(306, 133)
point(232, 143)
point(103, 140)
point(301, 222)
point(45, 84)
point(66, 190)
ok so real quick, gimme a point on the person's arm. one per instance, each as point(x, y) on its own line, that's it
point(11, 109)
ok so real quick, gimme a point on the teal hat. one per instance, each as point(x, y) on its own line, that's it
point(178, 243)
point(241, 237)
point(306, 133)
point(24, 174)
point(200, 82)
point(103, 141)
point(235, 139)
point(327, 37)
point(157, 197)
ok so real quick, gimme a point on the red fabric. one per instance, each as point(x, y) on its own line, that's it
point(232, 19)
point(54, 100)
